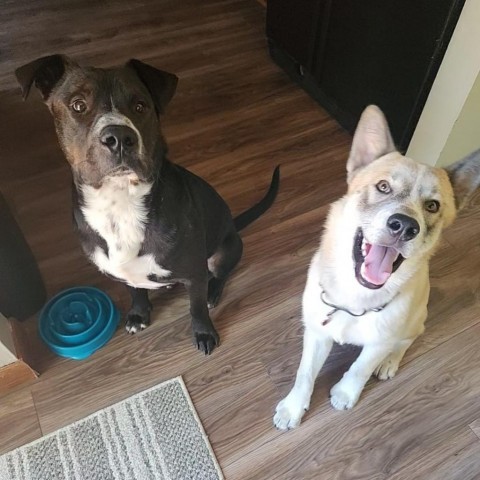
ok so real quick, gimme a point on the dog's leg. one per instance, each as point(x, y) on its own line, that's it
point(345, 393)
point(205, 336)
point(389, 366)
point(290, 410)
point(220, 264)
point(138, 317)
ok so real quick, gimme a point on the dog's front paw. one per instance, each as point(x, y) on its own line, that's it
point(289, 413)
point(206, 342)
point(136, 322)
point(344, 396)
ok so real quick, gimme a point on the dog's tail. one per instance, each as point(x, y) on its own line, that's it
point(250, 215)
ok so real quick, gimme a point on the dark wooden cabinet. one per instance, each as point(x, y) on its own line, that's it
point(22, 291)
point(350, 53)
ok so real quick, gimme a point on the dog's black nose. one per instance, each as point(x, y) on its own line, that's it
point(118, 138)
point(403, 227)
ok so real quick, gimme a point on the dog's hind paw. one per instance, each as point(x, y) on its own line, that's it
point(387, 369)
point(206, 342)
point(136, 322)
point(215, 289)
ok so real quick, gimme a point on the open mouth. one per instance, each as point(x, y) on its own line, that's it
point(374, 264)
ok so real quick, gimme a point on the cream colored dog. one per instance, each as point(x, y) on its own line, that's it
point(368, 282)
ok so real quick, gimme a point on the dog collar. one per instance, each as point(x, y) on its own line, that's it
point(336, 308)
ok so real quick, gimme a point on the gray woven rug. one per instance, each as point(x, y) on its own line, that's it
point(153, 435)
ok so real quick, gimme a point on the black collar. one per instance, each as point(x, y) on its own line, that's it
point(336, 308)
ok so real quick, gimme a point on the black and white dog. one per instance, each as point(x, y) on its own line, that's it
point(141, 219)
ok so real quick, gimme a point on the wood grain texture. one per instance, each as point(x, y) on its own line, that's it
point(15, 374)
point(392, 430)
point(234, 118)
point(18, 420)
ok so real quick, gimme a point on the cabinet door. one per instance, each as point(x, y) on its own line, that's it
point(22, 291)
point(293, 25)
point(385, 52)
point(350, 53)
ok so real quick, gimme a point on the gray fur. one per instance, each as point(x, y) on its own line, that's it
point(464, 176)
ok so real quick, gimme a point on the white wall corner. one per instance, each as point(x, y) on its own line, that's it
point(450, 90)
point(7, 348)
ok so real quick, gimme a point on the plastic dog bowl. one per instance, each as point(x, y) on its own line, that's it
point(77, 322)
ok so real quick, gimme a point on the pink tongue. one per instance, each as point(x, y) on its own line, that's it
point(379, 264)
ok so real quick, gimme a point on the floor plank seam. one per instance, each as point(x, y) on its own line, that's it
point(36, 413)
point(475, 428)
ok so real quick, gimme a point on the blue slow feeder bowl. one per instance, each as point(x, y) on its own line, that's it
point(77, 322)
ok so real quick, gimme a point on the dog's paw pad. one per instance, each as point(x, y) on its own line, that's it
point(135, 323)
point(206, 342)
point(288, 415)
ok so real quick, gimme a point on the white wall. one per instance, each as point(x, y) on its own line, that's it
point(465, 135)
point(450, 91)
point(6, 343)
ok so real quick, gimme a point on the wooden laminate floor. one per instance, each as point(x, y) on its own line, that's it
point(235, 117)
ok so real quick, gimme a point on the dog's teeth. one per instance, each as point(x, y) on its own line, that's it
point(364, 247)
point(362, 270)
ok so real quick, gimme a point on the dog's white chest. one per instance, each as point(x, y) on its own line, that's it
point(357, 331)
point(340, 326)
point(117, 212)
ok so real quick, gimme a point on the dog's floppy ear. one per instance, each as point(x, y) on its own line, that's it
point(464, 176)
point(372, 139)
point(45, 72)
point(160, 84)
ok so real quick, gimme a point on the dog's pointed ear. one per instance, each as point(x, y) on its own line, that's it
point(44, 72)
point(464, 176)
point(160, 84)
point(372, 140)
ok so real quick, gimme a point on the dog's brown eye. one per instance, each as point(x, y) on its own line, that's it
point(140, 107)
point(383, 186)
point(79, 106)
point(432, 206)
